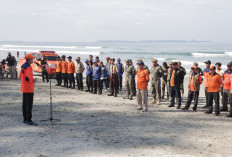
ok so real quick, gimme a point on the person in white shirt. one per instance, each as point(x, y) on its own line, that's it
point(220, 72)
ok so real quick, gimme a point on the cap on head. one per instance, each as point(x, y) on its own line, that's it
point(63, 56)
point(119, 59)
point(154, 60)
point(207, 62)
point(212, 67)
point(229, 64)
point(194, 67)
point(140, 63)
point(174, 63)
point(170, 63)
point(29, 56)
point(139, 60)
point(165, 64)
point(195, 63)
point(107, 58)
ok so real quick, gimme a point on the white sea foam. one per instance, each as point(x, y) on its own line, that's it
point(196, 54)
point(12, 49)
point(53, 47)
point(228, 53)
point(93, 47)
point(79, 52)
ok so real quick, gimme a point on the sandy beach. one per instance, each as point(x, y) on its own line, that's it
point(93, 125)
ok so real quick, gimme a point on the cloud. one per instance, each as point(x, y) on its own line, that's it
point(90, 20)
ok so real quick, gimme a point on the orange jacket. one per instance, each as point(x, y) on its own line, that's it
point(205, 80)
point(59, 66)
point(143, 78)
point(214, 82)
point(172, 82)
point(64, 66)
point(71, 67)
point(231, 84)
point(26, 76)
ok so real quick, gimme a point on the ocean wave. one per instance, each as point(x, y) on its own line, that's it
point(53, 47)
point(27, 50)
point(196, 54)
point(228, 53)
point(79, 52)
point(93, 47)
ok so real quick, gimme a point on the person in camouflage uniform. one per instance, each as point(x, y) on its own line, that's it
point(164, 81)
point(184, 72)
point(130, 73)
point(199, 70)
point(156, 74)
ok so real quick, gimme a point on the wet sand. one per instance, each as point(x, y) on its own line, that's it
point(93, 125)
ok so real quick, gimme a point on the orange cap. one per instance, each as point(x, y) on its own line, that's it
point(212, 67)
point(29, 56)
point(194, 67)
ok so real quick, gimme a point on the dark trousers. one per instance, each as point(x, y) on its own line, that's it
point(71, 80)
point(114, 84)
point(27, 106)
point(134, 86)
point(104, 82)
point(221, 91)
point(59, 78)
point(230, 103)
point(175, 91)
point(97, 85)
point(79, 80)
point(192, 96)
point(214, 96)
point(45, 74)
point(108, 81)
point(225, 98)
point(89, 82)
point(120, 82)
point(206, 96)
point(65, 79)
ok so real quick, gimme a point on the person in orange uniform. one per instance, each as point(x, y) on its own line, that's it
point(71, 71)
point(226, 87)
point(214, 81)
point(230, 114)
point(64, 66)
point(142, 82)
point(195, 81)
point(206, 73)
point(27, 88)
point(58, 71)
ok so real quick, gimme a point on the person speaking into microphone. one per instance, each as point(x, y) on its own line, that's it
point(27, 88)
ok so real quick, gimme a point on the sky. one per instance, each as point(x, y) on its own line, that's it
point(93, 20)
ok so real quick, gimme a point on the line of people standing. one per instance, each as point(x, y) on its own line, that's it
point(167, 79)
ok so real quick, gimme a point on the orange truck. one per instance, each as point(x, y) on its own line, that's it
point(49, 56)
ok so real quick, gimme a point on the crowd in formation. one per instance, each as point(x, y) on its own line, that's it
point(166, 80)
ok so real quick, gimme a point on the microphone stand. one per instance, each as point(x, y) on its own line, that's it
point(51, 119)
